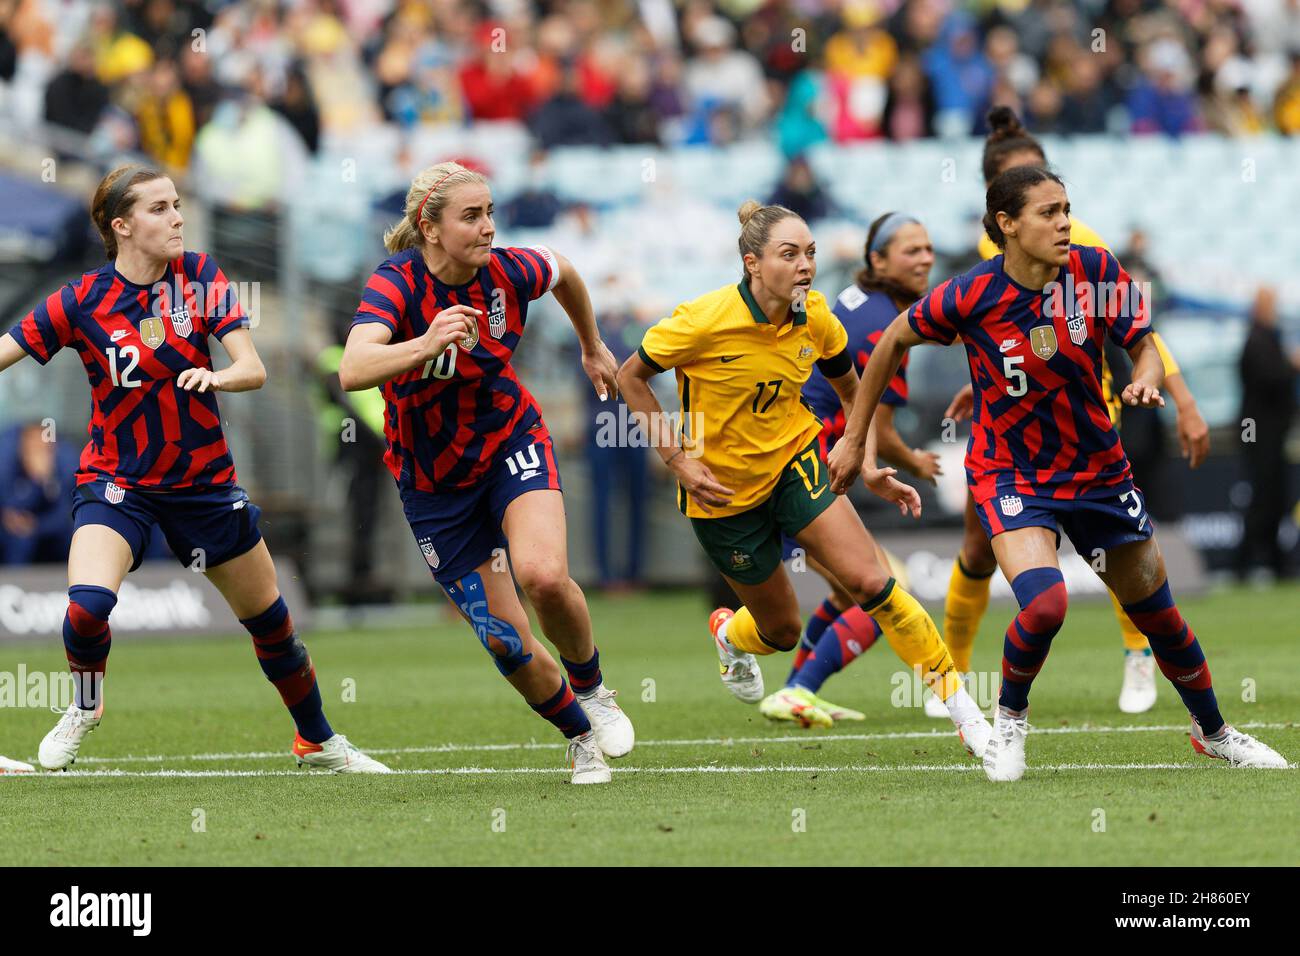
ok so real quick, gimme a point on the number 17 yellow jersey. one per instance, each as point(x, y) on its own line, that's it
point(739, 379)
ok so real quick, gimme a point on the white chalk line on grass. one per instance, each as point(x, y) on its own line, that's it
point(620, 771)
point(809, 738)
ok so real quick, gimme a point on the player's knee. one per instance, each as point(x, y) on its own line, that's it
point(783, 634)
point(89, 607)
point(543, 585)
point(867, 582)
point(1043, 600)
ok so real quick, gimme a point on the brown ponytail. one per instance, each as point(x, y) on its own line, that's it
point(1006, 137)
point(756, 222)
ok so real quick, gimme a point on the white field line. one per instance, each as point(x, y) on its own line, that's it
point(704, 769)
point(809, 738)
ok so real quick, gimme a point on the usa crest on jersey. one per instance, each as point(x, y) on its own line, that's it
point(114, 494)
point(1078, 326)
point(1011, 505)
point(181, 322)
point(430, 555)
point(497, 321)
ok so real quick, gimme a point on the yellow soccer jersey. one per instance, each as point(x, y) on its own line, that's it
point(1082, 235)
point(739, 380)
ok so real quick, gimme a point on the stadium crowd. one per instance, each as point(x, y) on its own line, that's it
point(164, 75)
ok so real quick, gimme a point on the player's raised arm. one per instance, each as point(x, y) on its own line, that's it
point(369, 360)
point(245, 374)
point(10, 352)
point(597, 360)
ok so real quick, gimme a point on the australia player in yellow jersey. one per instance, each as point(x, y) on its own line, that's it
point(1009, 145)
point(749, 464)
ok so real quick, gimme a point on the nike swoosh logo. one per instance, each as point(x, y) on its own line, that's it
point(820, 493)
point(1007, 346)
point(731, 358)
point(119, 334)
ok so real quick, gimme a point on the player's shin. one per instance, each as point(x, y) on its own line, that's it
point(286, 664)
point(1043, 601)
point(820, 620)
point(1178, 655)
point(839, 645)
point(87, 640)
point(963, 609)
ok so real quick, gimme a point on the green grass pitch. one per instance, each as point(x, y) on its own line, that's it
point(710, 781)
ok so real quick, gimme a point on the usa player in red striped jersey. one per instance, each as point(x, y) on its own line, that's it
point(1043, 455)
point(157, 454)
point(436, 329)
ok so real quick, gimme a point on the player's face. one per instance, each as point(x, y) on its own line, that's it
point(153, 226)
point(1043, 227)
point(466, 228)
point(789, 261)
point(908, 259)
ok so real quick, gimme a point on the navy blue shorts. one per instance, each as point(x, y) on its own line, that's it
point(457, 530)
point(211, 524)
point(1092, 524)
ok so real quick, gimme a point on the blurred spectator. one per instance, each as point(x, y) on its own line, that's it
point(118, 52)
point(909, 109)
point(800, 125)
point(36, 481)
point(1086, 103)
point(566, 120)
point(165, 117)
point(960, 74)
point(202, 89)
point(722, 76)
point(631, 115)
point(297, 106)
point(536, 205)
point(75, 97)
point(1162, 101)
point(800, 191)
point(492, 86)
point(1268, 402)
point(859, 60)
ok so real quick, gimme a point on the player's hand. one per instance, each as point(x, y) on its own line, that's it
point(1193, 435)
point(845, 464)
point(1140, 394)
point(700, 483)
point(199, 380)
point(454, 324)
point(883, 484)
point(602, 369)
point(962, 405)
point(925, 465)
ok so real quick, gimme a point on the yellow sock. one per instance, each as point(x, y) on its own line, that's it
point(743, 634)
point(914, 638)
point(1134, 640)
point(963, 609)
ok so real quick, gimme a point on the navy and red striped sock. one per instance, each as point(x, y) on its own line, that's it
point(1178, 654)
point(584, 678)
point(87, 639)
point(851, 635)
point(563, 710)
point(287, 665)
point(821, 619)
point(1043, 601)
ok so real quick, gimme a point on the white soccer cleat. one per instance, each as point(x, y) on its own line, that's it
point(586, 761)
point(1138, 695)
point(740, 672)
point(975, 735)
point(1004, 757)
point(612, 727)
point(59, 748)
point(1240, 750)
point(934, 707)
point(337, 755)
point(15, 766)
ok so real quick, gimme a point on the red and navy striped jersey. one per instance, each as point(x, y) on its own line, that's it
point(134, 340)
point(1040, 424)
point(446, 421)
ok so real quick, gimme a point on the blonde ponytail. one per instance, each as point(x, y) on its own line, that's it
point(425, 201)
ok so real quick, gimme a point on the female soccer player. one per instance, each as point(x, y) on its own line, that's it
point(157, 454)
point(896, 272)
point(1010, 145)
point(1043, 455)
point(436, 328)
point(749, 464)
